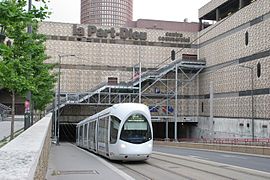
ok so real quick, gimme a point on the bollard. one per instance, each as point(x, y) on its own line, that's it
point(26, 120)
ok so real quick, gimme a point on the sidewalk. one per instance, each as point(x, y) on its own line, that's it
point(68, 162)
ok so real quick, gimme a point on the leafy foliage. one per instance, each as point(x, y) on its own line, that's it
point(22, 67)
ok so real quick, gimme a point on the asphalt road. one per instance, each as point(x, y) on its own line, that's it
point(261, 163)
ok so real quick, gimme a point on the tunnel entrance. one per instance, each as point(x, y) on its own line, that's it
point(184, 130)
point(67, 132)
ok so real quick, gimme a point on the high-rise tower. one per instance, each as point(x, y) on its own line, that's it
point(106, 12)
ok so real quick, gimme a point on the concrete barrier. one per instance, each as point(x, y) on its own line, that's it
point(26, 156)
point(260, 150)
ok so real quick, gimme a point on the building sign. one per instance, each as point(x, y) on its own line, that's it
point(174, 37)
point(124, 33)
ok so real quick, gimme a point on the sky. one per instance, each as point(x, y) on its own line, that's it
point(170, 10)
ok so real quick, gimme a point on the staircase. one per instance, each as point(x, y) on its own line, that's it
point(132, 84)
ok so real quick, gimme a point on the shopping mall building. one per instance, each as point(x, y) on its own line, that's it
point(217, 85)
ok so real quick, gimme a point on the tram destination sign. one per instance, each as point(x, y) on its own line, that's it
point(123, 33)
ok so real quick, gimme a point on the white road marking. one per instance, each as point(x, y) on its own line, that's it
point(198, 157)
point(232, 156)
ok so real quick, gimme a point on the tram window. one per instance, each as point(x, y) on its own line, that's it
point(103, 130)
point(136, 130)
point(85, 132)
point(90, 132)
point(115, 122)
point(81, 131)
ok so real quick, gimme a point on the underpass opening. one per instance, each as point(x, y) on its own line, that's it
point(184, 130)
point(67, 132)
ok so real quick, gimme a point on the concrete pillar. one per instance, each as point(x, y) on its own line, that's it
point(201, 24)
point(211, 102)
point(198, 100)
point(167, 129)
point(188, 132)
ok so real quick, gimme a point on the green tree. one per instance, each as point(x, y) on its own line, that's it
point(22, 67)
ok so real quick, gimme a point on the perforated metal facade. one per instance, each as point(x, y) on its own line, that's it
point(228, 98)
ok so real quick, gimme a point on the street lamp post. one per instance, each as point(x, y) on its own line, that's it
point(58, 97)
point(176, 103)
point(252, 99)
point(28, 114)
point(140, 82)
point(140, 76)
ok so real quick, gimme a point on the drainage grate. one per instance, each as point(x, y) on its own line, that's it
point(59, 173)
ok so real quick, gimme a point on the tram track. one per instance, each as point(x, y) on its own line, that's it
point(148, 168)
point(142, 175)
point(213, 165)
point(165, 169)
point(167, 166)
point(193, 168)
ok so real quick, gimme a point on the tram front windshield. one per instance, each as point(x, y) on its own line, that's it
point(136, 130)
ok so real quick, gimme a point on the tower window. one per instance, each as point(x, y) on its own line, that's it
point(259, 69)
point(246, 38)
point(202, 106)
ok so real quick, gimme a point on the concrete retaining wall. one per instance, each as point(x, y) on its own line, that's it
point(26, 157)
point(221, 147)
point(231, 128)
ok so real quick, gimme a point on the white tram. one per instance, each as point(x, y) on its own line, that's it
point(121, 132)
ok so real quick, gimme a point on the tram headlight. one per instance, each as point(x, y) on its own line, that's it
point(150, 145)
point(123, 146)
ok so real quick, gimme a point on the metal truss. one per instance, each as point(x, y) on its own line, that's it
point(128, 92)
point(179, 73)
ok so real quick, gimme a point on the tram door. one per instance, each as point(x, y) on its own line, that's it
point(103, 146)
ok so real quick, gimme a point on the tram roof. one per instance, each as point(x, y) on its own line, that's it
point(125, 108)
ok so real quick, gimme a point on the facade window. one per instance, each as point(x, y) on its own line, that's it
point(202, 106)
point(259, 69)
point(246, 38)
